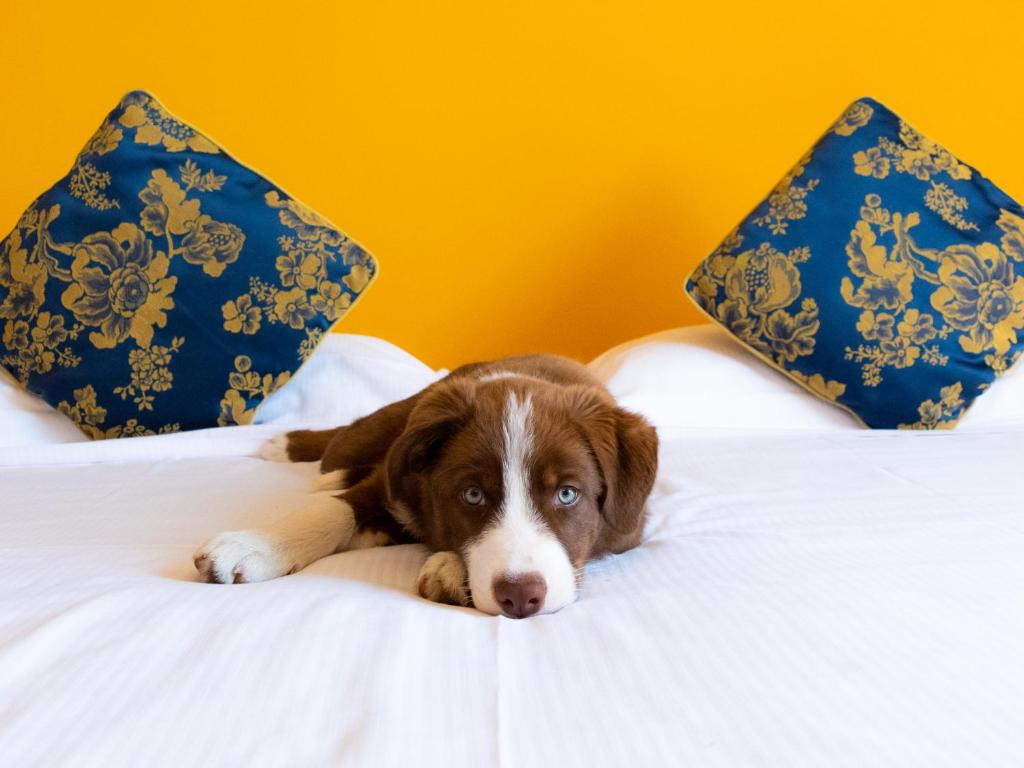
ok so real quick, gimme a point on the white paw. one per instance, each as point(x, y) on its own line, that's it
point(330, 481)
point(237, 557)
point(275, 449)
point(442, 579)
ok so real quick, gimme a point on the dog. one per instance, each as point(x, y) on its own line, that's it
point(514, 473)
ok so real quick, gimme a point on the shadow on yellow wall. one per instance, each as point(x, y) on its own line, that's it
point(532, 176)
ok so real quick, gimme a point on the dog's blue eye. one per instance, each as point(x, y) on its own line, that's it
point(567, 495)
point(473, 496)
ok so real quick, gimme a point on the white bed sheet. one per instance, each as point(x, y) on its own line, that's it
point(801, 599)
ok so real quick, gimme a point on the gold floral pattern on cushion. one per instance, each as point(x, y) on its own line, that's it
point(212, 244)
point(898, 335)
point(753, 293)
point(120, 286)
point(35, 347)
point(155, 125)
point(1012, 241)
point(331, 299)
point(156, 268)
point(358, 278)
point(167, 212)
point(86, 182)
point(245, 384)
point(981, 295)
point(307, 223)
point(242, 316)
point(26, 283)
point(940, 414)
point(299, 269)
point(914, 286)
point(151, 374)
point(293, 307)
point(856, 116)
point(921, 157)
point(788, 201)
point(90, 417)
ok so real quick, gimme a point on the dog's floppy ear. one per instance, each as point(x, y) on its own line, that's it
point(440, 413)
point(626, 448)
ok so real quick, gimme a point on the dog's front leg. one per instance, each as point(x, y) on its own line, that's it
point(442, 579)
point(323, 526)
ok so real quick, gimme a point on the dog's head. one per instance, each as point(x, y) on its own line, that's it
point(527, 480)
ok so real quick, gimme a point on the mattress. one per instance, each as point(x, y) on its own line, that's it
point(801, 598)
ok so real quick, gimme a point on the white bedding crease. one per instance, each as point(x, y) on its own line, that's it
point(802, 598)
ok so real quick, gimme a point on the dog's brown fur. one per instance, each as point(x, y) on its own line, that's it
point(401, 458)
point(515, 473)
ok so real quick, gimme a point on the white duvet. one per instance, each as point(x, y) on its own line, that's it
point(802, 598)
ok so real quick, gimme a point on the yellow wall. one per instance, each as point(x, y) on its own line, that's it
point(532, 176)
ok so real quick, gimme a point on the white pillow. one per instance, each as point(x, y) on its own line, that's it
point(347, 377)
point(1001, 406)
point(699, 377)
point(27, 420)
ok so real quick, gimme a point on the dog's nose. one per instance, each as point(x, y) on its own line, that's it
point(521, 595)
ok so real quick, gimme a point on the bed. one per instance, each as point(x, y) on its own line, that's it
point(807, 594)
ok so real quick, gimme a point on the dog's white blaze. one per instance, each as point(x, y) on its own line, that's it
point(519, 541)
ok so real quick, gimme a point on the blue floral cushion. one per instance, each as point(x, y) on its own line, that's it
point(162, 285)
point(881, 273)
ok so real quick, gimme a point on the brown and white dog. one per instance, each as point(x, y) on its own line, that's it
point(514, 473)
